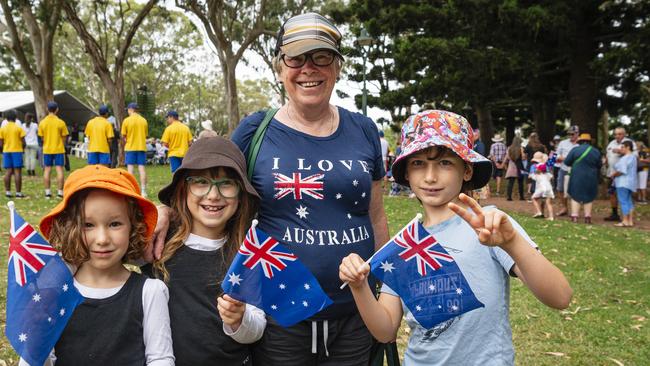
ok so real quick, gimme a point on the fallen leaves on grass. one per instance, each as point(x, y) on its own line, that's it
point(556, 354)
point(619, 363)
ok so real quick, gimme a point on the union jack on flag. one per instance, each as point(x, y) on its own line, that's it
point(265, 274)
point(41, 295)
point(421, 249)
point(299, 186)
point(262, 253)
point(433, 296)
point(26, 247)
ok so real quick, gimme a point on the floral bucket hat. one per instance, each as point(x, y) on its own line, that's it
point(446, 129)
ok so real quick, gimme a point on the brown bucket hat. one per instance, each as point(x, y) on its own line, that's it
point(205, 153)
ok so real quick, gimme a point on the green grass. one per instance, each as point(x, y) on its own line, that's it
point(608, 270)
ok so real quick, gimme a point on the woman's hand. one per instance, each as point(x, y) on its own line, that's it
point(157, 244)
point(231, 311)
point(493, 227)
point(354, 271)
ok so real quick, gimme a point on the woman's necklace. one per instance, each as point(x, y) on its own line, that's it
point(297, 125)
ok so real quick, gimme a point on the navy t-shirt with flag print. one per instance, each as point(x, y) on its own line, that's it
point(316, 193)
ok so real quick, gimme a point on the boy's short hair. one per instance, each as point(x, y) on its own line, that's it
point(629, 144)
point(10, 115)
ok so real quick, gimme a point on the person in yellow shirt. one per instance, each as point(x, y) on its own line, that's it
point(12, 140)
point(100, 134)
point(134, 131)
point(177, 138)
point(53, 131)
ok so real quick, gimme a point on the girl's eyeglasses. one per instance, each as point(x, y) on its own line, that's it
point(318, 58)
point(201, 186)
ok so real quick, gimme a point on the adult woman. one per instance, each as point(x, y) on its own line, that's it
point(534, 145)
point(585, 164)
point(514, 167)
point(318, 172)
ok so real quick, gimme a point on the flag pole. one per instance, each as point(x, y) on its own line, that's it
point(11, 206)
point(416, 218)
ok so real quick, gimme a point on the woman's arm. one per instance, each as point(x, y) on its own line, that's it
point(155, 248)
point(378, 215)
point(383, 316)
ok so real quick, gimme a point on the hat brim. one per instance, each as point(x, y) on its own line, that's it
point(216, 160)
point(481, 166)
point(148, 208)
point(497, 140)
point(301, 46)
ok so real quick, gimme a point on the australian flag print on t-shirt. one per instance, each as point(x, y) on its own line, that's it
point(316, 193)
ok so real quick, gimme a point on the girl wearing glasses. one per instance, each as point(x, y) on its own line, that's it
point(212, 205)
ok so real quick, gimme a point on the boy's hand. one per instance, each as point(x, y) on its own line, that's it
point(231, 311)
point(493, 227)
point(353, 270)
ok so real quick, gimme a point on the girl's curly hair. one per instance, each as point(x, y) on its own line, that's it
point(67, 234)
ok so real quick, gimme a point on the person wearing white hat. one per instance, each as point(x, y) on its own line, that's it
point(207, 130)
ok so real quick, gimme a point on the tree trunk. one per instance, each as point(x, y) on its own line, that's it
point(484, 116)
point(582, 85)
point(116, 95)
point(603, 138)
point(232, 100)
point(544, 114)
point(510, 126)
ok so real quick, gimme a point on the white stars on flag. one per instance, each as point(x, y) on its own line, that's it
point(432, 287)
point(302, 212)
point(307, 287)
point(49, 319)
point(355, 182)
point(234, 279)
point(274, 307)
point(349, 216)
point(282, 286)
point(293, 302)
point(454, 308)
point(459, 291)
point(418, 308)
point(304, 303)
point(363, 195)
point(356, 202)
point(36, 297)
point(22, 337)
point(62, 312)
point(65, 287)
point(387, 267)
point(338, 196)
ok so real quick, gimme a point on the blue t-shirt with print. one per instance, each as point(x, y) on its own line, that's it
point(315, 194)
point(479, 337)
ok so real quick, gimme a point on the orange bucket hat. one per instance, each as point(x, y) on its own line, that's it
point(98, 176)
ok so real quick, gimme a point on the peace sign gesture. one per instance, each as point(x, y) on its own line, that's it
point(493, 226)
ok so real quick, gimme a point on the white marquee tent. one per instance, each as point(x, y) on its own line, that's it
point(71, 109)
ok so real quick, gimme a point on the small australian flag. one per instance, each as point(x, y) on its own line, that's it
point(267, 275)
point(424, 275)
point(40, 293)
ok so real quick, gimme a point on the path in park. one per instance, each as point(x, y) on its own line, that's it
point(600, 211)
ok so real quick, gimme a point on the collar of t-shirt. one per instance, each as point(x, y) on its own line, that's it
point(200, 243)
point(96, 293)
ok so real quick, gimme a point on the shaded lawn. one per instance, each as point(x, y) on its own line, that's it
point(608, 270)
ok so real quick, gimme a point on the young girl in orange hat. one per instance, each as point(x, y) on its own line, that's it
point(212, 205)
point(101, 223)
point(438, 163)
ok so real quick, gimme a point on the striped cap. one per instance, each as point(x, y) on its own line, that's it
point(308, 32)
